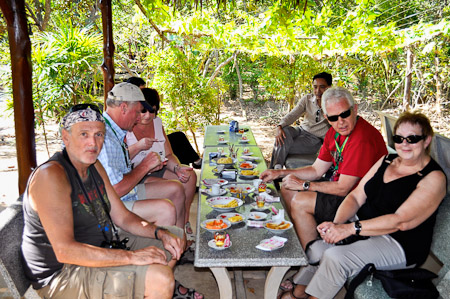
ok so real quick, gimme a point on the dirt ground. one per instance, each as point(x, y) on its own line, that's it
point(261, 118)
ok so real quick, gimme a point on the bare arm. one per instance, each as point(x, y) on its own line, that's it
point(131, 179)
point(415, 210)
point(49, 193)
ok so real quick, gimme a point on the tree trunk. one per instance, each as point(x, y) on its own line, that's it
point(407, 93)
point(107, 66)
point(20, 50)
point(216, 71)
point(437, 78)
point(244, 113)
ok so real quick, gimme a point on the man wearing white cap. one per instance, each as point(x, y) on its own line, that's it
point(124, 105)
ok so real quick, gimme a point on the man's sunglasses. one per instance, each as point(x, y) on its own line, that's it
point(79, 107)
point(410, 139)
point(151, 110)
point(343, 115)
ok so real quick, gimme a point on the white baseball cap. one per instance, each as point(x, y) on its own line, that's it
point(128, 92)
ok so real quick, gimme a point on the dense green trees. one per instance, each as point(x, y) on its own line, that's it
point(195, 57)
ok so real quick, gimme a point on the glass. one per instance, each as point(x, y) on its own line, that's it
point(219, 238)
point(241, 131)
point(343, 115)
point(260, 201)
point(262, 187)
point(410, 139)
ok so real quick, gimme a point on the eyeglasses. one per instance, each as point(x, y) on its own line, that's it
point(411, 139)
point(151, 110)
point(343, 115)
point(84, 106)
point(317, 116)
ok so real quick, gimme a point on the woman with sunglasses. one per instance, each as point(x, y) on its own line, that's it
point(149, 136)
point(392, 213)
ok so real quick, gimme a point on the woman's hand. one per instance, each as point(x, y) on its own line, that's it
point(183, 173)
point(333, 233)
point(145, 143)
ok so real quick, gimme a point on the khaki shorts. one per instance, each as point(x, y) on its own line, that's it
point(106, 282)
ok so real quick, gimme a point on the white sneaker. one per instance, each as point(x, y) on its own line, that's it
point(278, 166)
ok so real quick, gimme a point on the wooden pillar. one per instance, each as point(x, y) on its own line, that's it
point(108, 47)
point(20, 50)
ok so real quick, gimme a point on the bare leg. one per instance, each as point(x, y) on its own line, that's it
point(159, 282)
point(302, 213)
point(189, 190)
point(159, 211)
point(288, 196)
point(171, 189)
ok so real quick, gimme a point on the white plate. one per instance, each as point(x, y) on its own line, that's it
point(250, 158)
point(212, 244)
point(203, 225)
point(223, 200)
point(248, 154)
point(234, 161)
point(267, 249)
point(267, 206)
point(229, 215)
point(209, 192)
point(222, 142)
point(278, 231)
point(251, 168)
point(244, 140)
point(248, 177)
point(245, 187)
point(218, 169)
point(257, 215)
point(210, 182)
point(220, 132)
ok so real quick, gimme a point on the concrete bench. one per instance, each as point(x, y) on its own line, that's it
point(11, 261)
point(440, 247)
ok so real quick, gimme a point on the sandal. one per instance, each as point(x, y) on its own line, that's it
point(287, 285)
point(187, 293)
point(292, 296)
point(189, 232)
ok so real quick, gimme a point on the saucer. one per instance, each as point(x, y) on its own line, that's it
point(212, 244)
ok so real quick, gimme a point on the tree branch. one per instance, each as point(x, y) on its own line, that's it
point(216, 71)
point(161, 34)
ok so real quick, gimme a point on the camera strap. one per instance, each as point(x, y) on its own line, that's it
point(104, 205)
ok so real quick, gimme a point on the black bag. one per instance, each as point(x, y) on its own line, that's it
point(413, 283)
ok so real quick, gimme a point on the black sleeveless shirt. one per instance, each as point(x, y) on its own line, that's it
point(386, 198)
point(89, 219)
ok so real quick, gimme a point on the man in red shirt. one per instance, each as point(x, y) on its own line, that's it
point(351, 146)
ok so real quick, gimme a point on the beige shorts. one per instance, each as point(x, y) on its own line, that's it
point(106, 282)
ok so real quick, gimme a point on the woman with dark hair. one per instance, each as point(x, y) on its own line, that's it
point(393, 208)
point(181, 147)
point(149, 136)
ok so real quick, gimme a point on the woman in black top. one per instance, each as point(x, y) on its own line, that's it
point(396, 203)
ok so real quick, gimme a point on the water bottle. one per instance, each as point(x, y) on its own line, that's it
point(234, 126)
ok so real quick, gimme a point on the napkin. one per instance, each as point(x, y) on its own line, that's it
point(254, 223)
point(269, 198)
point(279, 217)
point(272, 244)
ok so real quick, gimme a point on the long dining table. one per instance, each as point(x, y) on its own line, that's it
point(244, 238)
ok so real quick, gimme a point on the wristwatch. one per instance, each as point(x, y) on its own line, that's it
point(306, 185)
point(358, 227)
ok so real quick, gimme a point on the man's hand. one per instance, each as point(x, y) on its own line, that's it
point(152, 162)
point(171, 243)
point(291, 182)
point(333, 233)
point(270, 175)
point(183, 173)
point(279, 138)
point(147, 256)
point(145, 143)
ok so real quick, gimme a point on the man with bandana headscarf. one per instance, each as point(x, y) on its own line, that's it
point(71, 246)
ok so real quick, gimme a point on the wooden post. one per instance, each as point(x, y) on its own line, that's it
point(107, 66)
point(20, 50)
point(437, 78)
point(407, 93)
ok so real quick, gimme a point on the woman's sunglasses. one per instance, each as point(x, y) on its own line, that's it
point(410, 139)
point(79, 107)
point(343, 115)
point(144, 110)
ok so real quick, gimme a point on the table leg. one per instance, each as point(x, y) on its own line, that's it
point(273, 281)
point(224, 282)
